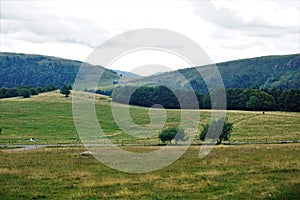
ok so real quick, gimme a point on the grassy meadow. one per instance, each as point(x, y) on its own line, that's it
point(253, 171)
point(265, 171)
point(48, 118)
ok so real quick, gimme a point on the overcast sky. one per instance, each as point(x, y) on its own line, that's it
point(226, 30)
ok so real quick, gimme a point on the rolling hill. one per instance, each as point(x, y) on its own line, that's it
point(261, 72)
point(38, 71)
point(127, 74)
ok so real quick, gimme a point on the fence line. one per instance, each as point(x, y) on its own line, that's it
point(143, 142)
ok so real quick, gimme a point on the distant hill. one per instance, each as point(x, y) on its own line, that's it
point(38, 71)
point(158, 73)
point(127, 74)
point(261, 72)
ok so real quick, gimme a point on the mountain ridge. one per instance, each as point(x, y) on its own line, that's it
point(279, 71)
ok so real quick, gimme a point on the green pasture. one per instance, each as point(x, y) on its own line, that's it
point(48, 118)
point(265, 171)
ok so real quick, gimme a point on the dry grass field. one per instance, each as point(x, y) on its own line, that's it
point(228, 172)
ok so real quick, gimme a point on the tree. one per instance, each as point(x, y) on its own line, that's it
point(34, 91)
point(234, 99)
point(3, 92)
point(180, 135)
point(170, 133)
point(49, 88)
point(24, 92)
point(65, 90)
point(291, 100)
point(260, 100)
point(225, 133)
point(12, 92)
point(253, 103)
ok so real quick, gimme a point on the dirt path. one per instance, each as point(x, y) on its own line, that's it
point(21, 147)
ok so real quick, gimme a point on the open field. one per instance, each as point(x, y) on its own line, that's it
point(48, 118)
point(228, 172)
point(264, 171)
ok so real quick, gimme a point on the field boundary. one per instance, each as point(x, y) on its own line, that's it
point(24, 147)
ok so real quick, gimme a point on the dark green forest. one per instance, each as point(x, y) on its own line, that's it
point(237, 99)
point(39, 71)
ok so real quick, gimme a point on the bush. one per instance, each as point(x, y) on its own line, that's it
point(225, 133)
point(65, 90)
point(172, 133)
point(24, 92)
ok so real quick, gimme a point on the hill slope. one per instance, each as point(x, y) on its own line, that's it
point(38, 71)
point(261, 72)
point(127, 74)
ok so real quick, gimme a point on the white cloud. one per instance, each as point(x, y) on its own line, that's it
point(251, 28)
point(72, 51)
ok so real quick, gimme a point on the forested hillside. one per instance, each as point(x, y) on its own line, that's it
point(262, 72)
point(39, 71)
point(264, 83)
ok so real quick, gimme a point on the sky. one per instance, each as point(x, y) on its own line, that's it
point(225, 29)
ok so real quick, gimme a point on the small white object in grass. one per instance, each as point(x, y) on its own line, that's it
point(86, 153)
point(32, 140)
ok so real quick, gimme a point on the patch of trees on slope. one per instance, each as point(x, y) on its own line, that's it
point(237, 99)
point(27, 91)
point(24, 91)
point(18, 70)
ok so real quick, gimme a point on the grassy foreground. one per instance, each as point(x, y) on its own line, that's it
point(228, 172)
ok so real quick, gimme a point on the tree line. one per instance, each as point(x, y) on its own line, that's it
point(274, 99)
point(25, 91)
point(99, 91)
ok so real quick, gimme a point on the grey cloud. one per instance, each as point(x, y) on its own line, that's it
point(227, 19)
point(22, 10)
point(223, 17)
point(19, 19)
